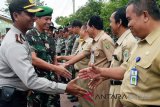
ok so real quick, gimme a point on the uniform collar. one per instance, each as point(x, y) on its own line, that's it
point(87, 39)
point(98, 36)
point(18, 35)
point(39, 33)
point(123, 36)
point(16, 30)
point(153, 36)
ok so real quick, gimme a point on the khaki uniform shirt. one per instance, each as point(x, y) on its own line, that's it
point(103, 48)
point(84, 46)
point(16, 68)
point(124, 46)
point(147, 91)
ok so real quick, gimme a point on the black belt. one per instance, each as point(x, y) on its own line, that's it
point(115, 82)
point(76, 70)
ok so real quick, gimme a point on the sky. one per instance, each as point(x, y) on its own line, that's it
point(64, 7)
point(60, 7)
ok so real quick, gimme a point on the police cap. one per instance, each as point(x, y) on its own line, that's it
point(24, 5)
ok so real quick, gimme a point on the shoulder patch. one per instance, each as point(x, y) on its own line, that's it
point(126, 55)
point(107, 44)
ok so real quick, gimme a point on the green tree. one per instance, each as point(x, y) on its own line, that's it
point(91, 8)
point(94, 7)
point(62, 20)
point(109, 7)
point(83, 13)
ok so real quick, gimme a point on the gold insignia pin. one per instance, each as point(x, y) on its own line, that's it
point(31, 1)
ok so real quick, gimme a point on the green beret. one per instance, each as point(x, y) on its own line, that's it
point(47, 11)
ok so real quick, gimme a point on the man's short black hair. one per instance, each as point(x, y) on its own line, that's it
point(96, 21)
point(77, 23)
point(65, 30)
point(120, 15)
point(151, 6)
point(51, 27)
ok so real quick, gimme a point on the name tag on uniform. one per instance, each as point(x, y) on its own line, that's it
point(133, 76)
point(80, 50)
point(92, 57)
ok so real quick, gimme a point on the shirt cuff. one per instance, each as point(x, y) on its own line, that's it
point(61, 87)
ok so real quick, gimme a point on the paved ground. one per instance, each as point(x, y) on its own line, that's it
point(65, 102)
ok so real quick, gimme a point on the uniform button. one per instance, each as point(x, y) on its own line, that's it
point(138, 59)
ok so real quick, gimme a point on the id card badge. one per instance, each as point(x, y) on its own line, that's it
point(133, 76)
point(92, 57)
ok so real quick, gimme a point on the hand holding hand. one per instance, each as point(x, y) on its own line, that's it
point(59, 58)
point(74, 89)
point(95, 82)
point(92, 72)
point(63, 72)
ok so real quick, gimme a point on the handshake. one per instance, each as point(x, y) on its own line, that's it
point(72, 87)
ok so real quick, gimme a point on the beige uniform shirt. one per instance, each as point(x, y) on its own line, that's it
point(84, 46)
point(147, 91)
point(124, 46)
point(103, 48)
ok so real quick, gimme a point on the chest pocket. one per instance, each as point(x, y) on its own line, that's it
point(144, 67)
point(41, 50)
point(118, 54)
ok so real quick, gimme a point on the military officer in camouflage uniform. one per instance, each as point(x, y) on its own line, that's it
point(60, 47)
point(69, 42)
point(43, 53)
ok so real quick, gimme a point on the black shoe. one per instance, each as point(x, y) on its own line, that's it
point(76, 106)
point(70, 97)
point(74, 99)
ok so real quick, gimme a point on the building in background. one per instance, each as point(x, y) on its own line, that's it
point(5, 23)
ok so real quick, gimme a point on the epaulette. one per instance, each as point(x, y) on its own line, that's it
point(19, 38)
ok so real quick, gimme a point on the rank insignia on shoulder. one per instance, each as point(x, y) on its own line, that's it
point(19, 38)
